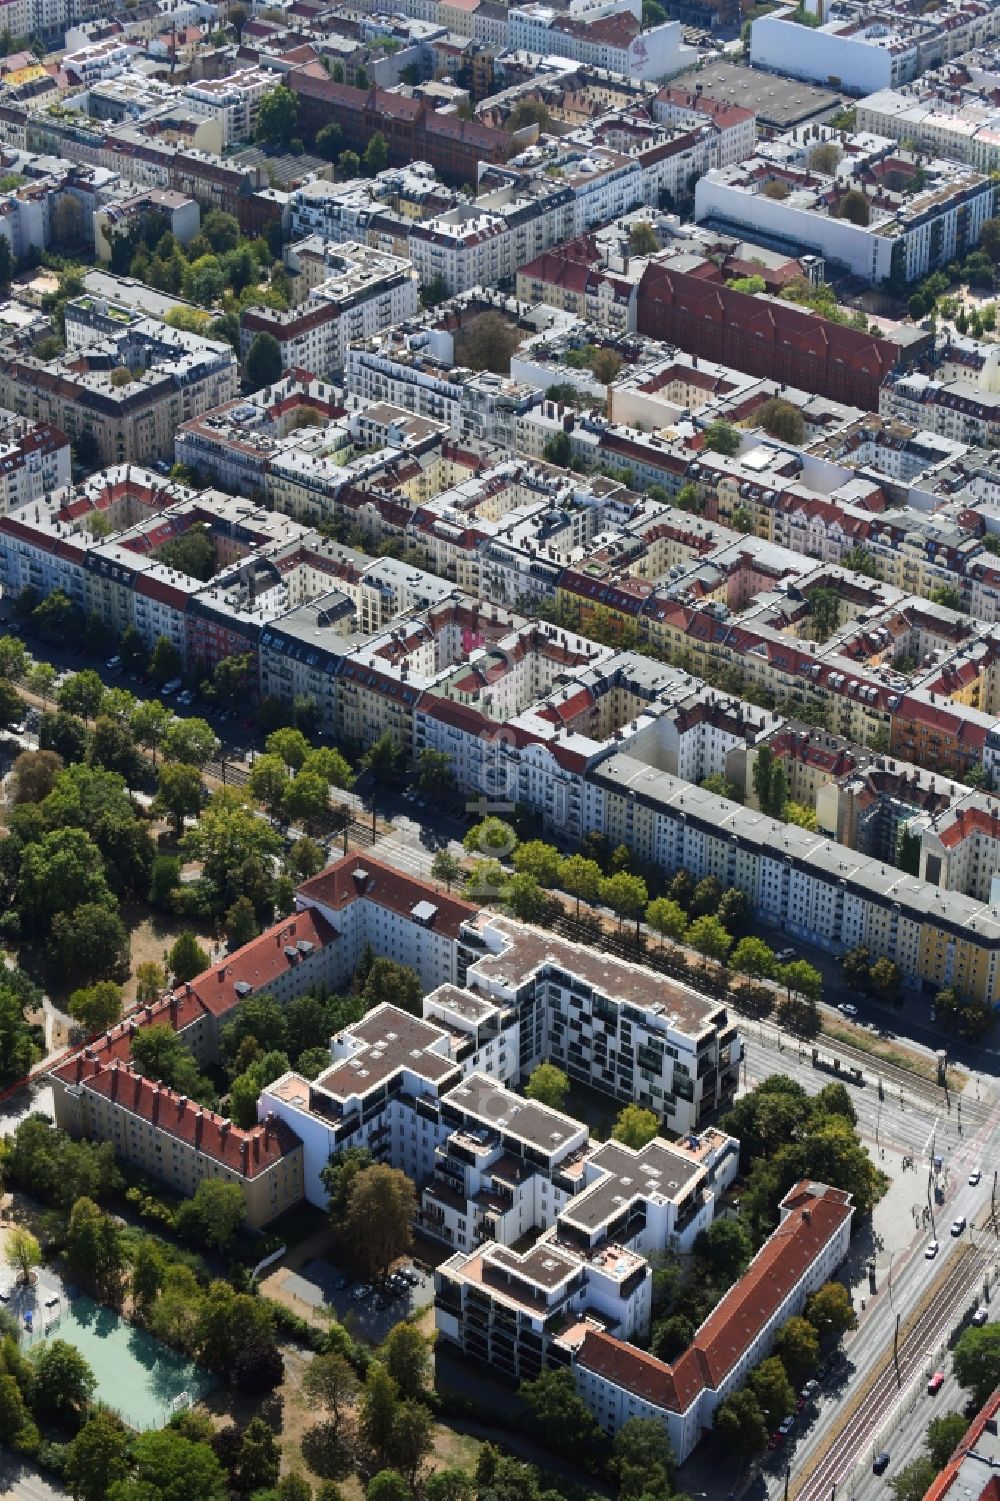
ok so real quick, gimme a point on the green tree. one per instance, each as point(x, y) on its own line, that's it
point(159, 1053)
point(331, 1382)
point(525, 898)
point(263, 362)
point(149, 724)
point(62, 1382)
point(543, 861)
point(41, 680)
point(913, 1481)
point(407, 1357)
point(58, 873)
point(176, 1468)
point(192, 742)
point(330, 764)
point(548, 1085)
point(830, 1310)
point(97, 1006)
point(378, 1408)
point(17, 1050)
point(720, 437)
point(626, 895)
point(782, 420)
point(376, 157)
point(329, 141)
point(165, 661)
point(976, 1361)
point(395, 984)
point(387, 1485)
point(378, 1218)
point(178, 793)
point(97, 1457)
point(642, 239)
point(635, 1126)
point(277, 117)
point(186, 958)
point(95, 1254)
point(723, 1251)
point(581, 878)
point(797, 1347)
point(289, 745)
point(217, 1209)
point(708, 937)
point(22, 1252)
point(753, 958)
point(240, 923)
point(773, 1390)
point(267, 783)
point(642, 1460)
point(307, 799)
point(853, 207)
point(227, 836)
point(445, 867)
point(557, 1411)
point(944, 1434)
point(740, 1423)
point(672, 1336)
point(492, 839)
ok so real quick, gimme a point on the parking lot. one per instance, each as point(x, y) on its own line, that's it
point(372, 1314)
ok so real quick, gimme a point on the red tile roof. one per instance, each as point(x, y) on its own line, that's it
point(248, 1153)
point(814, 1215)
point(362, 876)
point(258, 963)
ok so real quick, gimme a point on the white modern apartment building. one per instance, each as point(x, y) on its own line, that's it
point(604, 37)
point(907, 234)
point(364, 292)
point(868, 49)
point(232, 101)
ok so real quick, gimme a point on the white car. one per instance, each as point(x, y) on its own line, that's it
point(931, 1250)
point(846, 1009)
point(979, 1317)
point(785, 956)
point(975, 1177)
point(958, 1226)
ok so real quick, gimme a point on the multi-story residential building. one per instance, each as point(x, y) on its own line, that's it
point(604, 36)
point(232, 101)
point(413, 131)
point(34, 461)
point(861, 51)
point(918, 216)
point(175, 376)
point(363, 292)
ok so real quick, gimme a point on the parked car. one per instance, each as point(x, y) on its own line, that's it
point(974, 1178)
point(958, 1225)
point(361, 1292)
point(809, 1390)
point(935, 1384)
point(846, 1009)
point(785, 1426)
point(113, 664)
point(785, 956)
point(980, 1316)
point(931, 1250)
point(881, 1462)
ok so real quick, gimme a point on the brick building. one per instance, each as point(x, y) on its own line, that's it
point(412, 130)
point(776, 340)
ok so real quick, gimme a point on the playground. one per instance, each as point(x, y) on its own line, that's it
point(143, 1380)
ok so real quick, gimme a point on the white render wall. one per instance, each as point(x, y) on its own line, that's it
point(819, 56)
